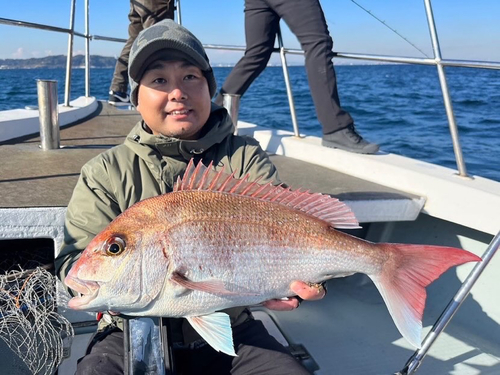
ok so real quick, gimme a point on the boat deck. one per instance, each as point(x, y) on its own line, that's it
point(34, 178)
point(36, 185)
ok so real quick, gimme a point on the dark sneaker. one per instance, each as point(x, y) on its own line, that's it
point(118, 98)
point(349, 140)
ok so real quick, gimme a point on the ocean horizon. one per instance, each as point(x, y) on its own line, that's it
point(398, 106)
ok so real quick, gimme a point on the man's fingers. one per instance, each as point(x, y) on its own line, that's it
point(282, 305)
point(304, 291)
point(308, 291)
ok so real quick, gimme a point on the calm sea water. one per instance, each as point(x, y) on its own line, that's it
point(398, 106)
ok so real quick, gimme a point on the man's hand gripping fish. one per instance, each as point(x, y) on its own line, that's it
point(217, 242)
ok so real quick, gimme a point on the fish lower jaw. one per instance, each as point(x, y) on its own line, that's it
point(82, 302)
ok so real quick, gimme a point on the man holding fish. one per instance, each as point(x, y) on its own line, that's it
point(172, 84)
point(165, 235)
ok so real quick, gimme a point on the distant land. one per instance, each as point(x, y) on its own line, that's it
point(58, 61)
point(96, 61)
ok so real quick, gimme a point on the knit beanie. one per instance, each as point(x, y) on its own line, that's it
point(167, 40)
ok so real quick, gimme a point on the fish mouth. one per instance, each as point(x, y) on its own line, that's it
point(80, 303)
point(87, 289)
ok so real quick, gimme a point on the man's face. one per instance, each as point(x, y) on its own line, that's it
point(174, 99)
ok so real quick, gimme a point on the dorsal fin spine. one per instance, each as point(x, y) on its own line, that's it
point(290, 196)
point(255, 194)
point(344, 211)
point(250, 186)
point(305, 202)
point(272, 191)
point(241, 182)
point(186, 181)
point(293, 203)
point(204, 177)
point(214, 182)
point(314, 201)
point(193, 179)
point(228, 179)
point(279, 193)
point(324, 205)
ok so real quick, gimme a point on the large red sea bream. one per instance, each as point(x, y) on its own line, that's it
point(217, 242)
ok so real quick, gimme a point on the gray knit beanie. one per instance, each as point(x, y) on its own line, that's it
point(168, 40)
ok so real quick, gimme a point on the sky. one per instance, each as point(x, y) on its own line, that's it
point(468, 30)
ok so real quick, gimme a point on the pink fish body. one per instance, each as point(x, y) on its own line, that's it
point(218, 242)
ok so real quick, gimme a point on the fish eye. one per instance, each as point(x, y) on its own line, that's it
point(115, 246)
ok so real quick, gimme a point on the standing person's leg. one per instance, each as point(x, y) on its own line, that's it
point(153, 11)
point(119, 84)
point(261, 25)
point(306, 20)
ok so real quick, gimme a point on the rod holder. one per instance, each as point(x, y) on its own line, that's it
point(49, 115)
point(232, 104)
point(143, 347)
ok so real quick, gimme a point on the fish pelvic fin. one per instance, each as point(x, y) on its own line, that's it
point(216, 330)
point(324, 207)
point(404, 277)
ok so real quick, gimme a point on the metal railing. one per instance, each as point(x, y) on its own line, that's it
point(437, 61)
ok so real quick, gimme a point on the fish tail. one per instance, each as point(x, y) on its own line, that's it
point(403, 279)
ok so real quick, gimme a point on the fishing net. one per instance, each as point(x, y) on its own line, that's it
point(29, 322)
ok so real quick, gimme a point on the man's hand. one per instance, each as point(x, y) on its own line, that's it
point(306, 291)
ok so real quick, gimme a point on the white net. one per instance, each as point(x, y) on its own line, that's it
point(29, 322)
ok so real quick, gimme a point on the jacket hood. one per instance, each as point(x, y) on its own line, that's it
point(145, 144)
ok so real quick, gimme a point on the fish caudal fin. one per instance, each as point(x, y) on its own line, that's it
point(405, 275)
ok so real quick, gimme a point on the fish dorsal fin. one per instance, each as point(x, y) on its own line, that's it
point(323, 207)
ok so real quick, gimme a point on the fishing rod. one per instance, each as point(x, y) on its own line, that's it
point(390, 28)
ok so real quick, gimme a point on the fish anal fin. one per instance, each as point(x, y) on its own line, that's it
point(403, 280)
point(323, 207)
point(216, 330)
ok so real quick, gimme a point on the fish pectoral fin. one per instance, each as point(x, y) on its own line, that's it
point(216, 330)
point(208, 286)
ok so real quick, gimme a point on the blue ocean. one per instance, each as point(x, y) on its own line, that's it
point(398, 106)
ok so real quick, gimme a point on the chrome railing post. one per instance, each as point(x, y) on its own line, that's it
point(232, 104)
point(48, 114)
point(177, 5)
point(288, 85)
point(462, 171)
point(87, 50)
point(69, 59)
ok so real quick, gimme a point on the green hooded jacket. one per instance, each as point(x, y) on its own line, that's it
point(146, 165)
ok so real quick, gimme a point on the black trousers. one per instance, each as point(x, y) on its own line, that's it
point(143, 13)
point(258, 354)
point(306, 20)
